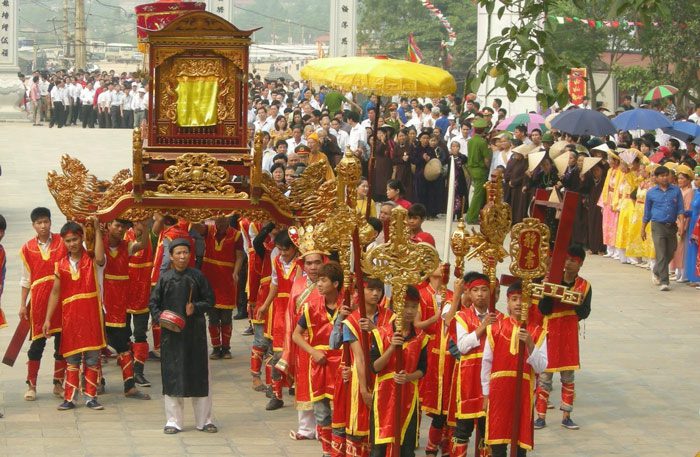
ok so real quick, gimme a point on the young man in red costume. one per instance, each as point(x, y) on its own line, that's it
point(140, 265)
point(285, 270)
point(168, 229)
point(294, 361)
point(352, 397)
point(115, 291)
point(416, 216)
point(469, 333)
point(265, 251)
point(75, 298)
point(317, 319)
point(561, 322)
point(223, 257)
point(498, 371)
point(434, 387)
point(39, 256)
point(249, 230)
point(415, 359)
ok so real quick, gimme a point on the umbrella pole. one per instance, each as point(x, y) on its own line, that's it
point(370, 168)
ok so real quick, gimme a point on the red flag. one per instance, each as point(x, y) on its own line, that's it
point(414, 53)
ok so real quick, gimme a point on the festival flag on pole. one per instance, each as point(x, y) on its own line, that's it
point(414, 53)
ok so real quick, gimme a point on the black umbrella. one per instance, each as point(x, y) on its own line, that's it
point(275, 75)
point(583, 122)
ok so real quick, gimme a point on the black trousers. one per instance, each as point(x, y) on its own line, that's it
point(36, 348)
point(116, 116)
point(138, 324)
point(465, 428)
point(77, 108)
point(408, 446)
point(119, 338)
point(501, 450)
point(86, 116)
point(219, 316)
point(128, 119)
point(58, 115)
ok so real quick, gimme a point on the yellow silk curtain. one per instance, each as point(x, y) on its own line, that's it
point(197, 100)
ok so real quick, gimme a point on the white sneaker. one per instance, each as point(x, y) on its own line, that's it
point(664, 288)
point(681, 280)
point(655, 279)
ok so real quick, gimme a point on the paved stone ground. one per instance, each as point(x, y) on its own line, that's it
point(637, 393)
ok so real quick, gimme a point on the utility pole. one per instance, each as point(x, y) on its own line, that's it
point(66, 32)
point(80, 42)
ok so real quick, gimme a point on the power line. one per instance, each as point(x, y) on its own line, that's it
point(286, 21)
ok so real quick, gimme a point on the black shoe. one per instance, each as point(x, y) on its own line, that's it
point(240, 316)
point(291, 391)
point(215, 354)
point(226, 354)
point(274, 403)
point(66, 405)
point(141, 380)
point(248, 331)
point(94, 404)
point(153, 355)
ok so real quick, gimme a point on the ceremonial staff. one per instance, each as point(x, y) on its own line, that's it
point(529, 249)
point(494, 224)
point(400, 263)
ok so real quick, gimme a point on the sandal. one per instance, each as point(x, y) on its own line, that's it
point(170, 430)
point(297, 436)
point(209, 428)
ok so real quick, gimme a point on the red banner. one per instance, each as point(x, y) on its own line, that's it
point(529, 255)
point(578, 88)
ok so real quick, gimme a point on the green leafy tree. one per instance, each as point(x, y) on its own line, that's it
point(383, 28)
point(585, 46)
point(528, 46)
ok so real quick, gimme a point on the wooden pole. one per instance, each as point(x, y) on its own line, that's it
point(361, 306)
point(396, 448)
point(370, 167)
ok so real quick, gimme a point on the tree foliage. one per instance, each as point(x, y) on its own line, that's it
point(528, 46)
point(383, 28)
point(585, 47)
point(673, 51)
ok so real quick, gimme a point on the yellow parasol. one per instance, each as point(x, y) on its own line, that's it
point(380, 75)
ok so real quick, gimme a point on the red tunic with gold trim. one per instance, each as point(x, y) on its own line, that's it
point(385, 388)
point(295, 361)
point(140, 265)
point(264, 289)
point(319, 324)
point(116, 283)
point(178, 230)
point(502, 339)
point(81, 307)
point(469, 401)
point(218, 264)
point(349, 409)
point(42, 266)
point(562, 332)
point(435, 385)
point(280, 304)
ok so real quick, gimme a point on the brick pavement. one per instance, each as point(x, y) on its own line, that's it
point(636, 394)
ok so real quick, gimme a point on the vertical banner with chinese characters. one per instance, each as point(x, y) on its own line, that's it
point(343, 28)
point(223, 8)
point(577, 85)
point(8, 33)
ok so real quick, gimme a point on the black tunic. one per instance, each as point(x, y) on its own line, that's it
point(184, 360)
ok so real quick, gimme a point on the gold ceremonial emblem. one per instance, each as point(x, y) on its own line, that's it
point(196, 174)
point(400, 262)
point(529, 249)
point(335, 233)
point(487, 245)
point(304, 239)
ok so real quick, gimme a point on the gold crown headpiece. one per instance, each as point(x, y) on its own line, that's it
point(303, 238)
